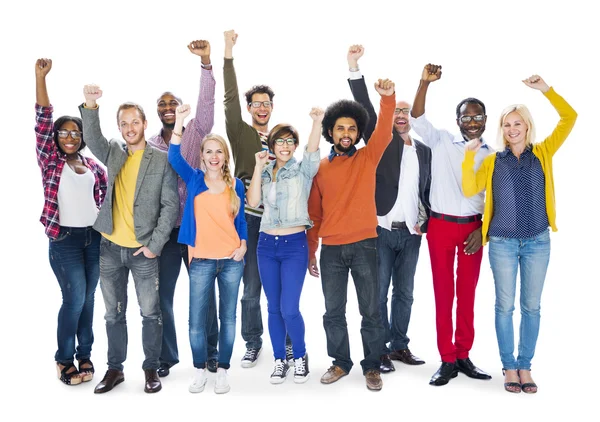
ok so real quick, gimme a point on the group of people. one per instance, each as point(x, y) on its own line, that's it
point(174, 197)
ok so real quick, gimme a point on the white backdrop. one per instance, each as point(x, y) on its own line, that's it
point(136, 50)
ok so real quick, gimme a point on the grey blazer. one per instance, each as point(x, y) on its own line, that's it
point(155, 202)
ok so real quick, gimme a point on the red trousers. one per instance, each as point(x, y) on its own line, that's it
point(446, 240)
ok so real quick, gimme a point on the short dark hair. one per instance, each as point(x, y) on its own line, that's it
point(169, 93)
point(467, 101)
point(60, 122)
point(280, 130)
point(259, 89)
point(345, 108)
point(128, 105)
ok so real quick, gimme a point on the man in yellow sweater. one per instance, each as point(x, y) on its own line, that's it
point(342, 207)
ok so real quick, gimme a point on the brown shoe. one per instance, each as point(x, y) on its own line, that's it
point(405, 356)
point(374, 382)
point(333, 374)
point(112, 378)
point(153, 384)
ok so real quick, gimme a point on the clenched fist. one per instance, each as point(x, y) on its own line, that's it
point(431, 72)
point(384, 87)
point(91, 93)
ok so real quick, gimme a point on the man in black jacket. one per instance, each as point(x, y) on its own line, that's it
point(402, 200)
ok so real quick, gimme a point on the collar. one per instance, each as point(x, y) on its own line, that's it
point(507, 151)
point(271, 165)
point(334, 154)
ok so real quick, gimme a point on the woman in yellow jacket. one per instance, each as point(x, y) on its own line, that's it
point(519, 209)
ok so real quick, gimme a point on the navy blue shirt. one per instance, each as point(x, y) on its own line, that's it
point(518, 186)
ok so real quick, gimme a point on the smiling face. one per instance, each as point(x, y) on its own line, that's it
point(213, 155)
point(514, 129)
point(283, 153)
point(69, 144)
point(344, 134)
point(471, 120)
point(132, 126)
point(165, 107)
point(401, 113)
point(261, 114)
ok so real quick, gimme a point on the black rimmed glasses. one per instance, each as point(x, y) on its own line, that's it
point(467, 119)
point(289, 141)
point(257, 104)
point(75, 134)
point(404, 110)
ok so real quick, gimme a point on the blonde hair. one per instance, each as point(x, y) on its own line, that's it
point(525, 114)
point(229, 180)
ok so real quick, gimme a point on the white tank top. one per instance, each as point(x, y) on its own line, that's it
point(76, 204)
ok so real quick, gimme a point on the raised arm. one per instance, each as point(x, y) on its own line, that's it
point(431, 73)
point(254, 194)
point(44, 126)
point(233, 110)
point(382, 135)
point(567, 114)
point(92, 133)
point(179, 164)
point(203, 123)
point(359, 90)
point(311, 159)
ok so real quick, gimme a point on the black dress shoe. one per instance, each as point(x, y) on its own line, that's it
point(112, 378)
point(153, 384)
point(443, 375)
point(405, 356)
point(466, 367)
point(164, 370)
point(211, 365)
point(385, 364)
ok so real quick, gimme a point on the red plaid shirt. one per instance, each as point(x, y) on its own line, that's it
point(52, 161)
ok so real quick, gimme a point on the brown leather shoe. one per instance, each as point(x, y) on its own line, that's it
point(333, 374)
point(153, 384)
point(405, 356)
point(374, 382)
point(112, 378)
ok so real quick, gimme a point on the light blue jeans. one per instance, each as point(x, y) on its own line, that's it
point(531, 257)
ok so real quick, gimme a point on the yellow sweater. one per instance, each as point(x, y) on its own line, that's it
point(473, 183)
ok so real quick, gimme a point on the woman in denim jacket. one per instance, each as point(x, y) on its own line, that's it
point(283, 186)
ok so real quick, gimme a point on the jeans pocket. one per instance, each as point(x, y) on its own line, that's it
point(497, 239)
point(62, 235)
point(543, 237)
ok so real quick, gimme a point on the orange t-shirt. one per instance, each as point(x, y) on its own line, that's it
point(216, 236)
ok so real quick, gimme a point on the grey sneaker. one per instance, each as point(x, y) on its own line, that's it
point(289, 354)
point(280, 371)
point(301, 372)
point(249, 359)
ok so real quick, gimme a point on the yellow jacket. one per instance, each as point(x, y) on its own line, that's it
point(473, 183)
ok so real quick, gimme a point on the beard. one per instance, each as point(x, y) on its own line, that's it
point(344, 149)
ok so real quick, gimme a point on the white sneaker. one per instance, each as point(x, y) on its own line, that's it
point(301, 372)
point(280, 371)
point(222, 382)
point(199, 381)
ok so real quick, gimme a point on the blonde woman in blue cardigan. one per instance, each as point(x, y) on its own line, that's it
point(519, 208)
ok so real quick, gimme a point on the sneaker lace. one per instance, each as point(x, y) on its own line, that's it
point(300, 366)
point(250, 354)
point(289, 351)
point(279, 368)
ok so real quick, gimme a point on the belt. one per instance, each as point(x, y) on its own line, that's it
point(399, 225)
point(455, 219)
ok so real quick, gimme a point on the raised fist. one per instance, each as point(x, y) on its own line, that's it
point(230, 37)
point(261, 157)
point(42, 67)
point(431, 72)
point(317, 114)
point(355, 52)
point(536, 82)
point(200, 48)
point(182, 111)
point(91, 93)
point(384, 87)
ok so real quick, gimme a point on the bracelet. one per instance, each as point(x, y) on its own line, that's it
point(353, 69)
point(177, 134)
point(206, 66)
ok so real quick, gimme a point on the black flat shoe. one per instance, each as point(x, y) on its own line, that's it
point(164, 370)
point(443, 375)
point(385, 364)
point(466, 367)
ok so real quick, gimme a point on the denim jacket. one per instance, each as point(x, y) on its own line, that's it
point(294, 181)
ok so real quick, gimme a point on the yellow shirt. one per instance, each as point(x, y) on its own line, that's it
point(123, 226)
point(473, 183)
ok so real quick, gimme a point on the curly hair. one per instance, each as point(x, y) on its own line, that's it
point(60, 122)
point(345, 108)
point(467, 101)
point(259, 89)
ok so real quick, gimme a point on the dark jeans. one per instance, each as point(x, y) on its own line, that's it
point(169, 266)
point(115, 263)
point(252, 326)
point(75, 260)
point(398, 253)
point(361, 259)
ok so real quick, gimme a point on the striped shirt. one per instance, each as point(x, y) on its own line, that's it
point(258, 211)
point(519, 196)
point(52, 161)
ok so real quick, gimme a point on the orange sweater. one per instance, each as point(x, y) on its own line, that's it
point(342, 198)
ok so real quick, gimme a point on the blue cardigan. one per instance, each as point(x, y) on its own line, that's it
point(194, 180)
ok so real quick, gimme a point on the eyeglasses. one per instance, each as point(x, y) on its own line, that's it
point(256, 104)
point(289, 141)
point(404, 110)
point(75, 134)
point(467, 119)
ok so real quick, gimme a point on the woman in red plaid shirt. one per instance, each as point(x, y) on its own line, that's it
point(74, 185)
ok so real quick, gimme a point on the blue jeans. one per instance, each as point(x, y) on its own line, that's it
point(361, 259)
point(169, 266)
point(282, 262)
point(507, 256)
point(115, 264)
point(203, 272)
point(398, 253)
point(252, 326)
point(75, 259)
